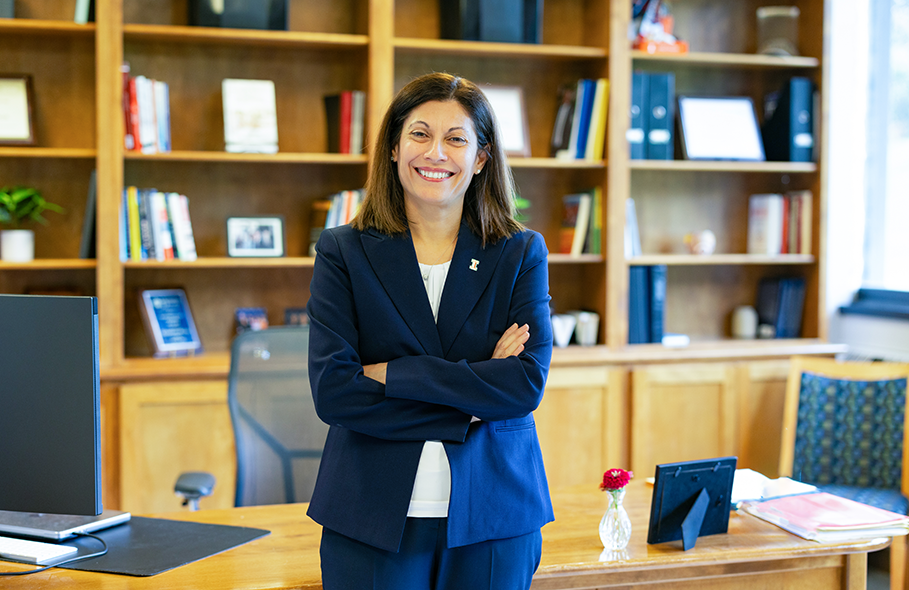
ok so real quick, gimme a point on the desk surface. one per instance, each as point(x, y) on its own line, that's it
point(289, 557)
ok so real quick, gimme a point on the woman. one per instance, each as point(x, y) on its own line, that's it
point(430, 345)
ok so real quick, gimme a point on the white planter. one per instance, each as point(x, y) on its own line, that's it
point(17, 245)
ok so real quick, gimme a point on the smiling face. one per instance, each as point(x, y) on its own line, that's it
point(437, 155)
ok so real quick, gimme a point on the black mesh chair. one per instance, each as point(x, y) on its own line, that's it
point(279, 437)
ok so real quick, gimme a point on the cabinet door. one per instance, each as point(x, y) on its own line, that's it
point(762, 391)
point(581, 424)
point(167, 428)
point(681, 413)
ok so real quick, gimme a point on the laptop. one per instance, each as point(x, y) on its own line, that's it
point(57, 527)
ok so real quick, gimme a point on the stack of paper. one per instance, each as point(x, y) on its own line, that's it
point(826, 518)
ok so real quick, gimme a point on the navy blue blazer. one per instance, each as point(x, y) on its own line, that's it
point(368, 305)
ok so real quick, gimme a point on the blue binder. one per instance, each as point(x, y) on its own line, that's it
point(637, 129)
point(789, 128)
point(657, 302)
point(638, 305)
point(661, 119)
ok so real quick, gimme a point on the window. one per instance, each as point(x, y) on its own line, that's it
point(887, 169)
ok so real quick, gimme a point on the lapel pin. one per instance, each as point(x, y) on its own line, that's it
point(474, 263)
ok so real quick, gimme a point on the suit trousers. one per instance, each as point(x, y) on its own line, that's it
point(424, 562)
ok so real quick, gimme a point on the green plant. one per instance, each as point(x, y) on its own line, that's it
point(21, 204)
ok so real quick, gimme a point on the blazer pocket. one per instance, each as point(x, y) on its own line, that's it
point(524, 423)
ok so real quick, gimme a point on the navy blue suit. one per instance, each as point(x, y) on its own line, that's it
point(368, 305)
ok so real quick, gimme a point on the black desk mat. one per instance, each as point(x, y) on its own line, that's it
point(149, 546)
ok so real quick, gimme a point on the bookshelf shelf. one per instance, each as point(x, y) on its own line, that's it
point(292, 39)
point(41, 264)
point(555, 164)
point(720, 260)
point(42, 152)
point(487, 49)
point(723, 166)
point(726, 60)
point(27, 26)
point(223, 262)
point(227, 157)
point(569, 259)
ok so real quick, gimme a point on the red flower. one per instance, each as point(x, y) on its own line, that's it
point(615, 479)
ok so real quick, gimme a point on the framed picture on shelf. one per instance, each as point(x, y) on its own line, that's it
point(169, 323)
point(720, 128)
point(255, 236)
point(508, 105)
point(17, 127)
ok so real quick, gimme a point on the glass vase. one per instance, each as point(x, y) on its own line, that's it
point(615, 527)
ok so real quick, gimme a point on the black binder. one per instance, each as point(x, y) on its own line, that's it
point(504, 21)
point(637, 129)
point(789, 122)
point(661, 119)
point(780, 302)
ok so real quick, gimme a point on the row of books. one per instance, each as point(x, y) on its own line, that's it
point(146, 112)
point(780, 223)
point(344, 115)
point(646, 303)
point(338, 209)
point(155, 226)
point(582, 223)
point(579, 132)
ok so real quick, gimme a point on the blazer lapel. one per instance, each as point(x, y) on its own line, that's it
point(471, 270)
point(395, 264)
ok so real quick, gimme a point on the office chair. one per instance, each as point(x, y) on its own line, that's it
point(843, 431)
point(279, 438)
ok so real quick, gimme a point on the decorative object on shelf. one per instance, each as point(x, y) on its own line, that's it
point(239, 14)
point(169, 323)
point(251, 318)
point(588, 323)
point(702, 242)
point(652, 28)
point(255, 236)
point(17, 126)
point(250, 116)
point(720, 128)
point(503, 21)
point(744, 322)
point(563, 325)
point(20, 205)
point(511, 116)
point(296, 316)
point(615, 526)
point(778, 30)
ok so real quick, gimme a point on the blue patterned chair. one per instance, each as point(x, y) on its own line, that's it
point(843, 431)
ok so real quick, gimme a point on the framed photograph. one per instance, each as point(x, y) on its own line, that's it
point(255, 236)
point(508, 105)
point(720, 128)
point(169, 322)
point(17, 126)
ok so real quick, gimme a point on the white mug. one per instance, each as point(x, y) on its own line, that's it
point(744, 322)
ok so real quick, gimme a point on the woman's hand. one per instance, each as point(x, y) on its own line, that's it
point(512, 341)
point(376, 372)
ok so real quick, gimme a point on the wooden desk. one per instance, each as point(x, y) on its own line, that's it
point(289, 557)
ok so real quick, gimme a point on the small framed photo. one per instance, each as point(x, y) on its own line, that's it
point(255, 236)
point(251, 319)
point(17, 126)
point(169, 322)
point(508, 105)
point(296, 316)
point(720, 128)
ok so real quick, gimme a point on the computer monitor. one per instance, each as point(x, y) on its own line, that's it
point(50, 415)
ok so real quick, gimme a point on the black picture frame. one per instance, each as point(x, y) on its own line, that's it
point(17, 123)
point(719, 128)
point(691, 499)
point(256, 236)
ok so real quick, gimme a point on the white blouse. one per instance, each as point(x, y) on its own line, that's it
point(432, 486)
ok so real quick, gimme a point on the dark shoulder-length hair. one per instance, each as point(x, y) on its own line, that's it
point(489, 208)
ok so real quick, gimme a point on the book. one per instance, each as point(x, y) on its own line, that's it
point(826, 518)
point(85, 12)
point(765, 224)
point(749, 486)
point(800, 221)
point(344, 117)
point(632, 236)
point(657, 277)
point(638, 305)
point(594, 243)
point(561, 129)
point(89, 224)
point(250, 116)
point(148, 126)
point(575, 221)
point(162, 114)
point(597, 135)
point(178, 213)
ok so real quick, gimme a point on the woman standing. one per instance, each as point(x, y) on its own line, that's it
point(430, 344)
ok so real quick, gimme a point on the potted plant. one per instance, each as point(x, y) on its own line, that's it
point(20, 205)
